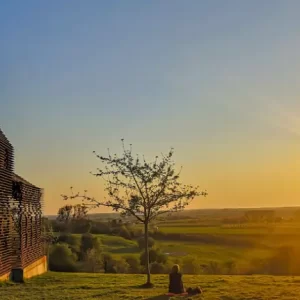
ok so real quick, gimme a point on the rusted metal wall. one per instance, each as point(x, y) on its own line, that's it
point(21, 209)
point(6, 171)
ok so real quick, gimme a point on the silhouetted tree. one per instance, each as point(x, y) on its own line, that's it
point(71, 212)
point(141, 189)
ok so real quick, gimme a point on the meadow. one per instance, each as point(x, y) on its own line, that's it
point(217, 242)
point(119, 246)
point(127, 286)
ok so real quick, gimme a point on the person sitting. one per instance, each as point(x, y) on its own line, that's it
point(175, 283)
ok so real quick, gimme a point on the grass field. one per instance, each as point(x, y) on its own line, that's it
point(118, 246)
point(244, 229)
point(102, 286)
point(205, 252)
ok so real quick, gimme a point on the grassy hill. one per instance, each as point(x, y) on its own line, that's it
point(109, 286)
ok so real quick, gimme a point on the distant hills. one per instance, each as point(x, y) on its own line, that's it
point(284, 212)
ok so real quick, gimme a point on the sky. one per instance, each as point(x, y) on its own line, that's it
point(217, 80)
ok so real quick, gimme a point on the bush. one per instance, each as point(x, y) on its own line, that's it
point(155, 255)
point(256, 266)
point(158, 268)
point(213, 268)
point(89, 242)
point(100, 228)
point(134, 264)
point(120, 265)
point(283, 262)
point(59, 226)
point(136, 232)
point(93, 261)
point(230, 267)
point(115, 265)
point(108, 263)
point(71, 240)
point(141, 242)
point(64, 238)
point(62, 259)
point(161, 258)
point(81, 226)
point(191, 265)
point(124, 233)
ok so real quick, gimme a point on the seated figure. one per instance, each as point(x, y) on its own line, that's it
point(175, 283)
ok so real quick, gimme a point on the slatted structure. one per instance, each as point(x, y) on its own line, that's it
point(27, 206)
point(21, 207)
point(6, 171)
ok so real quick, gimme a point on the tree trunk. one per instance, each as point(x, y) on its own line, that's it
point(147, 255)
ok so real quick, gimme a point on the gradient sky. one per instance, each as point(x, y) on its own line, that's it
point(217, 80)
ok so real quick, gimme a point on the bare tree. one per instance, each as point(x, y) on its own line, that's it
point(142, 189)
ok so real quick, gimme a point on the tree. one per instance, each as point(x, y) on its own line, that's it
point(94, 261)
point(142, 189)
point(89, 242)
point(73, 217)
point(71, 212)
point(260, 216)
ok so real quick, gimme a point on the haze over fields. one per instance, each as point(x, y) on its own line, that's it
point(218, 81)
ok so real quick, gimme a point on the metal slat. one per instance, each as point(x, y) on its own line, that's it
point(21, 211)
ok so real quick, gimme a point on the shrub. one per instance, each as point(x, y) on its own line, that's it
point(283, 261)
point(89, 242)
point(93, 261)
point(115, 265)
point(137, 232)
point(158, 268)
point(80, 226)
point(62, 259)
point(71, 240)
point(141, 242)
point(100, 228)
point(257, 266)
point(191, 265)
point(108, 263)
point(63, 238)
point(155, 255)
point(230, 267)
point(124, 233)
point(161, 258)
point(120, 265)
point(134, 264)
point(213, 268)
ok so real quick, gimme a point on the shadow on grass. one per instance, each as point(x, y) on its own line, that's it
point(165, 297)
point(159, 297)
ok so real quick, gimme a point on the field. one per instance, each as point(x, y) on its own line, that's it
point(213, 242)
point(102, 286)
point(205, 241)
point(118, 246)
